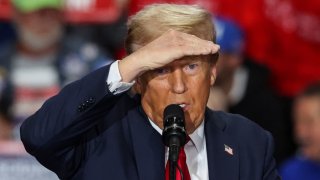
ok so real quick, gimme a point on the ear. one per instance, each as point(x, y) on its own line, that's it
point(213, 74)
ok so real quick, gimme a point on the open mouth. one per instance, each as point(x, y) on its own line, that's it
point(184, 106)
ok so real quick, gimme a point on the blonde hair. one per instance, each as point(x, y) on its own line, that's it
point(154, 20)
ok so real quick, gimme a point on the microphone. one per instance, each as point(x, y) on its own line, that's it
point(174, 133)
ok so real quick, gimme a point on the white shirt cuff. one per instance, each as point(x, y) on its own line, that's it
point(114, 80)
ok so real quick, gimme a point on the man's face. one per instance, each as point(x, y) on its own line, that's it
point(39, 29)
point(307, 125)
point(227, 65)
point(185, 81)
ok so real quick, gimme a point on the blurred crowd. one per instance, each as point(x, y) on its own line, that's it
point(268, 68)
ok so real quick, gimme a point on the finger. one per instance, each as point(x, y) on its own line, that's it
point(202, 48)
point(198, 46)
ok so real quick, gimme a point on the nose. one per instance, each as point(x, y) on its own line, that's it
point(178, 82)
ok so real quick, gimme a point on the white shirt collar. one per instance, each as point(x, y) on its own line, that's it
point(197, 137)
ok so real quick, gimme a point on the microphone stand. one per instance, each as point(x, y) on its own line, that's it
point(173, 157)
point(172, 166)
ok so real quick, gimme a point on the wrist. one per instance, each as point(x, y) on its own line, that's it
point(130, 68)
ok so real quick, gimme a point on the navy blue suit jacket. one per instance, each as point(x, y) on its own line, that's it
point(86, 132)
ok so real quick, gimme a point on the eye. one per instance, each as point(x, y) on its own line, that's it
point(161, 71)
point(191, 68)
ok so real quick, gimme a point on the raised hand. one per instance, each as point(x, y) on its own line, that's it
point(170, 46)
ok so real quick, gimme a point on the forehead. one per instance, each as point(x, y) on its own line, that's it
point(306, 107)
point(309, 101)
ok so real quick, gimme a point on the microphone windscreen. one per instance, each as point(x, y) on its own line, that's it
point(174, 133)
point(173, 110)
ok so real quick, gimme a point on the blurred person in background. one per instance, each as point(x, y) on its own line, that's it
point(5, 127)
point(306, 113)
point(42, 59)
point(5, 119)
point(6, 32)
point(242, 85)
point(108, 35)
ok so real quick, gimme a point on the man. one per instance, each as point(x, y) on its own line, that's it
point(94, 130)
point(42, 59)
point(306, 114)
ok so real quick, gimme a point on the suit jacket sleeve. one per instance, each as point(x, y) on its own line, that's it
point(61, 132)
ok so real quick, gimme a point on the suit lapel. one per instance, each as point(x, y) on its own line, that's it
point(222, 150)
point(147, 146)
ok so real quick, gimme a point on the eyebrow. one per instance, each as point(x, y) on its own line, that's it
point(189, 60)
point(184, 61)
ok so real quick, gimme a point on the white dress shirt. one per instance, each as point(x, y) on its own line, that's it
point(196, 151)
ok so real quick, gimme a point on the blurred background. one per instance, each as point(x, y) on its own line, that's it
point(269, 61)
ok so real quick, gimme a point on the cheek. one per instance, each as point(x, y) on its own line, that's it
point(155, 88)
point(200, 93)
point(154, 93)
point(316, 133)
point(301, 130)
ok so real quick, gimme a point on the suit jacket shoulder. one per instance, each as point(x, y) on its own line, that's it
point(236, 125)
point(239, 145)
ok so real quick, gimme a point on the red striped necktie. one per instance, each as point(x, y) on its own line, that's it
point(182, 163)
